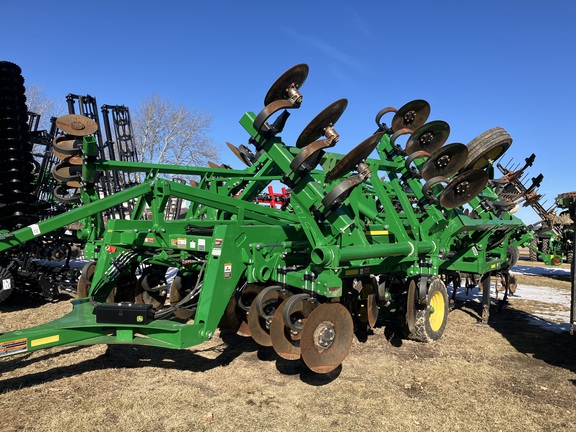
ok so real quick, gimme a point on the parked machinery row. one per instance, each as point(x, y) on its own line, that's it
point(29, 191)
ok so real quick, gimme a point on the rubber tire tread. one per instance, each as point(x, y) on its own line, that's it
point(423, 332)
point(484, 143)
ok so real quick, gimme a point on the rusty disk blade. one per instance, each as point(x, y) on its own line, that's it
point(463, 188)
point(67, 173)
point(177, 287)
point(411, 306)
point(258, 325)
point(412, 115)
point(243, 330)
point(327, 337)
point(85, 279)
point(285, 342)
point(75, 160)
point(429, 137)
point(293, 78)
point(327, 118)
point(58, 154)
point(372, 309)
point(238, 154)
point(232, 317)
point(77, 125)
point(445, 162)
point(357, 155)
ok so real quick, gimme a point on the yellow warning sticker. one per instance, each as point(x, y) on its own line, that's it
point(44, 341)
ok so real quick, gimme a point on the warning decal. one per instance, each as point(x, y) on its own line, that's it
point(13, 347)
point(227, 270)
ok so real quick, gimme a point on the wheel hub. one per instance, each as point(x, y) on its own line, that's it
point(324, 335)
point(462, 187)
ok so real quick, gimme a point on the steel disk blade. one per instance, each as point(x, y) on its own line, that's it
point(296, 76)
point(77, 125)
point(429, 137)
point(327, 337)
point(445, 162)
point(412, 115)
point(327, 117)
point(372, 309)
point(463, 188)
point(257, 324)
point(354, 157)
point(238, 154)
point(67, 173)
point(411, 306)
point(285, 343)
point(177, 292)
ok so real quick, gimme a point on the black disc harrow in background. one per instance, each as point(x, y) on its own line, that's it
point(16, 161)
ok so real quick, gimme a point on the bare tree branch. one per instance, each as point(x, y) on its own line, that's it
point(39, 103)
point(172, 134)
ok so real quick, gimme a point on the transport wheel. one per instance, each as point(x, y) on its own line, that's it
point(487, 147)
point(327, 337)
point(431, 319)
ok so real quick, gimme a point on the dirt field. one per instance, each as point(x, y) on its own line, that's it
point(508, 376)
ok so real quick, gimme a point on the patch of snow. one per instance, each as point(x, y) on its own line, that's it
point(546, 271)
point(555, 317)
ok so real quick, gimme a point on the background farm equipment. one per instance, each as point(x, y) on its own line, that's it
point(553, 233)
point(31, 190)
point(351, 242)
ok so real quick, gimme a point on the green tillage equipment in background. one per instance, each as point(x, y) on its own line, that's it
point(346, 249)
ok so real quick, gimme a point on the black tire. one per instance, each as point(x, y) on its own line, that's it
point(431, 320)
point(533, 250)
point(545, 246)
point(16, 188)
point(512, 256)
point(486, 147)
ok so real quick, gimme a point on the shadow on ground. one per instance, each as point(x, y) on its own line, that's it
point(555, 348)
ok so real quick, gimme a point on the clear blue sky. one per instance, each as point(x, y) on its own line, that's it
point(481, 64)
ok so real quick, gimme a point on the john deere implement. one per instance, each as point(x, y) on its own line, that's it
point(357, 240)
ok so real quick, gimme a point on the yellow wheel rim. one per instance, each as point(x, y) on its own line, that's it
point(437, 311)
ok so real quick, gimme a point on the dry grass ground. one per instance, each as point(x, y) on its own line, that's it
point(507, 376)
